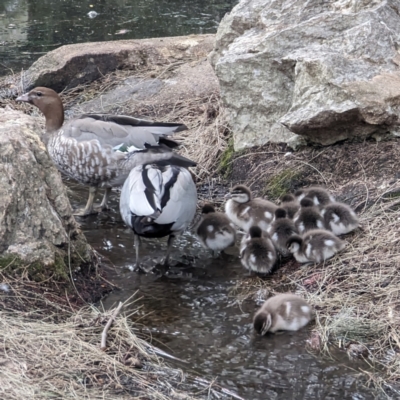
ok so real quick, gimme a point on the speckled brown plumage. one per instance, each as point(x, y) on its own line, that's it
point(100, 150)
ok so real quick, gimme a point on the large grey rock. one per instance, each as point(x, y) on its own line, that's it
point(186, 82)
point(75, 64)
point(36, 224)
point(326, 70)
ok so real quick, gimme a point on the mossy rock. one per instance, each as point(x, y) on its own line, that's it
point(225, 163)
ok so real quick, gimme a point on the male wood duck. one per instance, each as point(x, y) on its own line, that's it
point(158, 200)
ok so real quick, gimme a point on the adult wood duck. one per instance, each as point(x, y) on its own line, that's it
point(158, 200)
point(99, 150)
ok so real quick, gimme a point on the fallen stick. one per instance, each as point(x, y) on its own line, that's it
point(107, 327)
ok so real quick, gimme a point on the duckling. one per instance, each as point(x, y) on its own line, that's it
point(290, 204)
point(315, 246)
point(283, 312)
point(258, 253)
point(245, 212)
point(318, 195)
point(281, 230)
point(215, 231)
point(308, 217)
point(339, 218)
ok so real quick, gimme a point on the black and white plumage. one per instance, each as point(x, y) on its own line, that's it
point(158, 201)
point(214, 230)
point(315, 246)
point(99, 150)
point(339, 218)
point(317, 194)
point(308, 217)
point(282, 312)
point(257, 251)
point(281, 230)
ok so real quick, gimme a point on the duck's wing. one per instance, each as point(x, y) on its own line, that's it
point(123, 133)
point(141, 193)
point(159, 155)
point(179, 198)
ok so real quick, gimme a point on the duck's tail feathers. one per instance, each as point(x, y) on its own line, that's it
point(153, 155)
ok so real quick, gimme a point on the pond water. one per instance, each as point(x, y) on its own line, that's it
point(191, 314)
point(31, 28)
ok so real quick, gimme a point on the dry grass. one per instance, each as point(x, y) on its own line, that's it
point(44, 359)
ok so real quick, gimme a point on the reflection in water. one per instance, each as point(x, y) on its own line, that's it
point(191, 314)
point(30, 28)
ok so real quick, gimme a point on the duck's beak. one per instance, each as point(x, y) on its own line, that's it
point(24, 97)
point(228, 196)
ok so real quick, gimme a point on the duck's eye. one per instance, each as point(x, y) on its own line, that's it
point(39, 94)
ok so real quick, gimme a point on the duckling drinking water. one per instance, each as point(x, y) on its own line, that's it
point(285, 312)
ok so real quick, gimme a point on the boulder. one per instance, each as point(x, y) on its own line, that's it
point(37, 228)
point(326, 70)
point(185, 82)
point(75, 64)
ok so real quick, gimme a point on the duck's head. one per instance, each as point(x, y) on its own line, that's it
point(287, 198)
point(280, 213)
point(262, 322)
point(293, 244)
point(207, 209)
point(240, 194)
point(49, 103)
point(255, 232)
point(306, 202)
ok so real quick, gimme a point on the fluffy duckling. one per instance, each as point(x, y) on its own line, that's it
point(215, 231)
point(290, 204)
point(283, 312)
point(308, 217)
point(315, 246)
point(258, 252)
point(245, 212)
point(318, 195)
point(339, 218)
point(281, 230)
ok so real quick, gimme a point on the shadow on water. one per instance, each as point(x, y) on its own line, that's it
point(192, 315)
point(31, 28)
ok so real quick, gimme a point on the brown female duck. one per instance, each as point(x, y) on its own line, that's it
point(99, 150)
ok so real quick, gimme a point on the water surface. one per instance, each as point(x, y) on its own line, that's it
point(31, 28)
point(192, 314)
